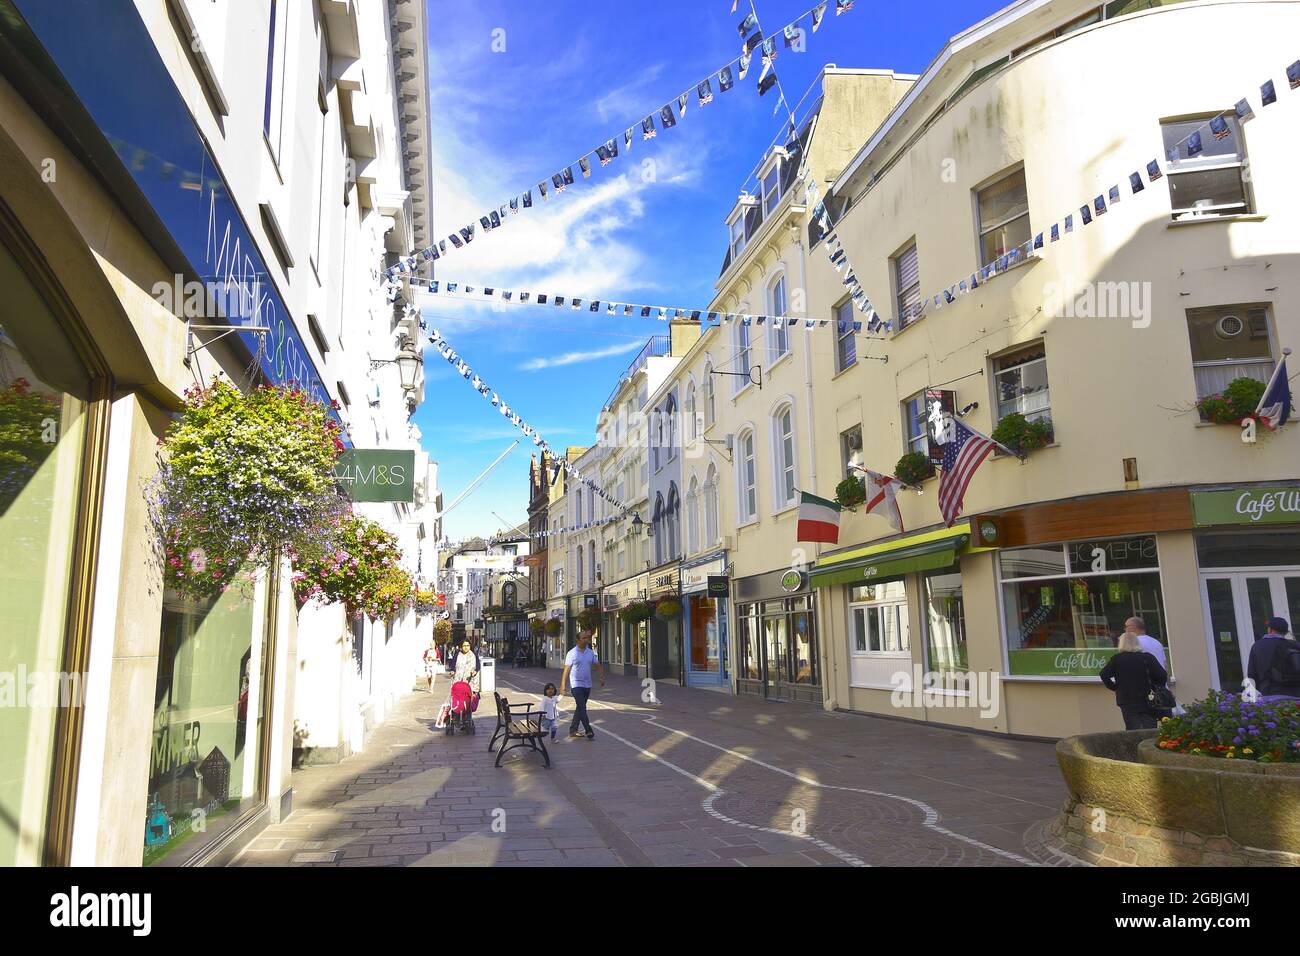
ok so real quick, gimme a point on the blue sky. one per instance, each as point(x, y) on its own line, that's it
point(571, 76)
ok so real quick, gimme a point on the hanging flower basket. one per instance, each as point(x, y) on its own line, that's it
point(241, 478)
point(589, 618)
point(553, 627)
point(425, 602)
point(636, 612)
point(441, 632)
point(362, 572)
point(850, 492)
point(914, 468)
point(668, 609)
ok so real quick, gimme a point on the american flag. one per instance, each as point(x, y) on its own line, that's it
point(962, 454)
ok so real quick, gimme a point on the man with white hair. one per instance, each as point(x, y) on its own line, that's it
point(1138, 628)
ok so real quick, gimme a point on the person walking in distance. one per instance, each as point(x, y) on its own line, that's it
point(1132, 674)
point(579, 663)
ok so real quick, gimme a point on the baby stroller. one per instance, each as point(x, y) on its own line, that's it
point(462, 708)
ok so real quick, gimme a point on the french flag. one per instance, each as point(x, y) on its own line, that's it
point(1275, 407)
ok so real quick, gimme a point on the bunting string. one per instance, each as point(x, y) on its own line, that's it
point(465, 291)
point(1189, 146)
point(466, 371)
point(607, 152)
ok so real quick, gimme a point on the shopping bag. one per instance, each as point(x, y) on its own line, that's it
point(473, 703)
point(444, 714)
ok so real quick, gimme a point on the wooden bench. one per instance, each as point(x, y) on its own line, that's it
point(518, 725)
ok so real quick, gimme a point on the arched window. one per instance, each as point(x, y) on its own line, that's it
point(709, 410)
point(783, 455)
point(577, 514)
point(674, 522)
point(658, 442)
point(747, 504)
point(591, 560)
point(693, 517)
point(778, 336)
point(692, 424)
point(711, 506)
point(577, 578)
point(670, 412)
point(659, 529)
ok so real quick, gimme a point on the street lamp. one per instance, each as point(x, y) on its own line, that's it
point(408, 363)
point(638, 524)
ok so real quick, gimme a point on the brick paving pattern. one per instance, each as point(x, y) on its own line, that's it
point(700, 778)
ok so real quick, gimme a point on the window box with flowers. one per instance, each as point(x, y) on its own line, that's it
point(1022, 435)
point(1234, 404)
point(850, 492)
point(914, 468)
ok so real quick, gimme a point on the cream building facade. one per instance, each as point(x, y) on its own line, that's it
point(1111, 334)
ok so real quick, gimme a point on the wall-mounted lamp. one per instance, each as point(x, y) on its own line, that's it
point(408, 365)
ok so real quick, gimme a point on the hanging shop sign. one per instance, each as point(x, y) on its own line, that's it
point(1251, 506)
point(940, 411)
point(719, 585)
point(792, 580)
point(377, 474)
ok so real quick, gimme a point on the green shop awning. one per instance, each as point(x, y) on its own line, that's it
point(925, 552)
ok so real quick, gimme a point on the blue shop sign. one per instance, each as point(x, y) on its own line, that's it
point(108, 61)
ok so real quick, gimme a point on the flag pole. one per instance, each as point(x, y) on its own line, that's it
point(1272, 380)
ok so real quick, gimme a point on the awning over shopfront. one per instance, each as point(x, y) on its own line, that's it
point(919, 552)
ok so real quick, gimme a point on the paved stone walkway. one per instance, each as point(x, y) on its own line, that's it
point(700, 778)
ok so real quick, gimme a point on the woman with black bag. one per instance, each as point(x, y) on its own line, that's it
point(1140, 685)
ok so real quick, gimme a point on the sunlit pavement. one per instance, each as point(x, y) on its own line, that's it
point(700, 778)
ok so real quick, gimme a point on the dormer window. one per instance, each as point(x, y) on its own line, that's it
point(737, 228)
point(771, 189)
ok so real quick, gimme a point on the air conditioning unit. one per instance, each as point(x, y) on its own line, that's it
point(727, 542)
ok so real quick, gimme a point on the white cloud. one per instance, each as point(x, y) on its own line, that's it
point(573, 358)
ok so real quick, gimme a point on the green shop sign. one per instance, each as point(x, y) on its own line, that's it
point(377, 474)
point(1250, 506)
point(1060, 661)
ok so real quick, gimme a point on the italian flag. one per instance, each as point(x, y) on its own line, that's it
point(819, 519)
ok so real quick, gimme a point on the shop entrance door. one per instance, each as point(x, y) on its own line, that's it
point(775, 665)
point(1237, 606)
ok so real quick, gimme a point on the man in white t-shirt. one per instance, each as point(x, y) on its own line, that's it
point(1138, 628)
point(579, 663)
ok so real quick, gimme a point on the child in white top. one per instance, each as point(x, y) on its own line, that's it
point(550, 709)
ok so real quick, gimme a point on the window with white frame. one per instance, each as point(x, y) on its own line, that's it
point(1020, 378)
point(742, 355)
point(577, 511)
point(737, 235)
point(915, 414)
point(784, 455)
point(1206, 170)
point(1003, 216)
point(709, 408)
point(778, 336)
point(851, 450)
point(711, 529)
point(591, 559)
point(747, 504)
point(846, 342)
point(578, 576)
point(693, 517)
point(878, 622)
point(1229, 342)
point(907, 282)
point(771, 189)
point(692, 425)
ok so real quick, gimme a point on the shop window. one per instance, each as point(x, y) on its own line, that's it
point(907, 285)
point(1209, 180)
point(846, 340)
point(748, 650)
point(205, 756)
point(945, 624)
point(706, 643)
point(1065, 605)
point(44, 398)
point(1003, 209)
point(1020, 380)
point(878, 619)
point(1229, 342)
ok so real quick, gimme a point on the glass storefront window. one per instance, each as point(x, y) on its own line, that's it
point(945, 624)
point(878, 618)
point(1067, 624)
point(205, 758)
point(44, 394)
point(803, 648)
point(706, 642)
point(750, 663)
